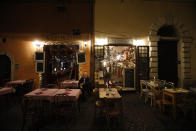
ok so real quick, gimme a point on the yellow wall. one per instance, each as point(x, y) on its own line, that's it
point(86, 66)
point(21, 52)
point(36, 20)
point(133, 19)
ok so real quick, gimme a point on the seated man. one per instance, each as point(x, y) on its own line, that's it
point(84, 83)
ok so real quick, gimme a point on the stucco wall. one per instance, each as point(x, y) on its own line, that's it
point(133, 19)
point(21, 52)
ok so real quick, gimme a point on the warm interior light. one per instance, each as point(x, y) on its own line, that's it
point(101, 41)
point(104, 64)
point(138, 42)
point(118, 57)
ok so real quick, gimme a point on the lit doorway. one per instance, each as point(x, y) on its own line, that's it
point(111, 61)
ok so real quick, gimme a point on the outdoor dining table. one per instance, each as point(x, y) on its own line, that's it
point(173, 93)
point(42, 94)
point(16, 82)
point(69, 84)
point(108, 93)
point(18, 85)
point(6, 90)
point(49, 94)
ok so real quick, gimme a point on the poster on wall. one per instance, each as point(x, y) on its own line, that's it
point(40, 67)
point(39, 56)
point(81, 57)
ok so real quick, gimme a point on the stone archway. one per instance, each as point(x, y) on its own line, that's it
point(185, 40)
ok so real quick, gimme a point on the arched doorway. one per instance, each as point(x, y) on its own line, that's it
point(174, 31)
point(167, 54)
point(5, 69)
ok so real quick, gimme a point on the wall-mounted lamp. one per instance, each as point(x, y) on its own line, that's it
point(104, 63)
point(38, 44)
point(85, 43)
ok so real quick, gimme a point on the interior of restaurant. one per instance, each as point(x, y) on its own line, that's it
point(111, 62)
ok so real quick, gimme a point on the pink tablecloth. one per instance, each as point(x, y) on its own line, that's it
point(16, 82)
point(69, 83)
point(70, 94)
point(6, 90)
point(49, 94)
point(42, 94)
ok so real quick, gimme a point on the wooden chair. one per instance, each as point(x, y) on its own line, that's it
point(157, 97)
point(186, 104)
point(30, 113)
point(98, 105)
point(119, 89)
point(113, 108)
point(29, 85)
point(146, 92)
point(64, 108)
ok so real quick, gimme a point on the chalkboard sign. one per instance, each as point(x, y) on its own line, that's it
point(39, 67)
point(39, 56)
point(81, 58)
point(129, 78)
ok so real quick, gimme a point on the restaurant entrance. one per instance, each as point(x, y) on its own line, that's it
point(167, 61)
point(113, 63)
point(5, 69)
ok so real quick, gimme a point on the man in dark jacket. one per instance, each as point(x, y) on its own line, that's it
point(84, 84)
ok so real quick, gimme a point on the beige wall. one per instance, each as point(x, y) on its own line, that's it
point(193, 60)
point(133, 19)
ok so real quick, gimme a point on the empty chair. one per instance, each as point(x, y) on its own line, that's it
point(64, 108)
point(97, 102)
point(186, 104)
point(157, 97)
point(146, 92)
point(29, 85)
point(113, 108)
point(30, 113)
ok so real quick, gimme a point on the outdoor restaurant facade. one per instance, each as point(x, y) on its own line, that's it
point(56, 55)
point(27, 27)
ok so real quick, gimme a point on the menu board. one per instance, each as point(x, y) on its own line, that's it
point(129, 78)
